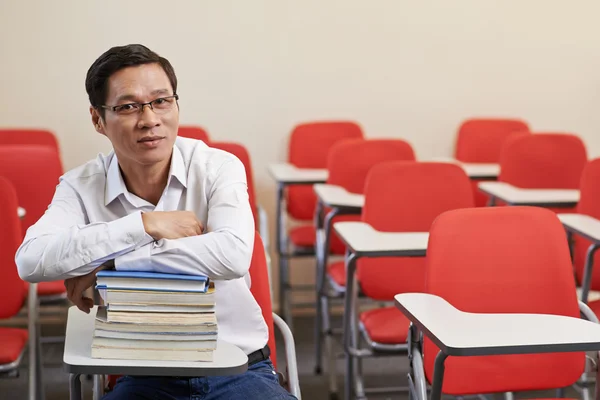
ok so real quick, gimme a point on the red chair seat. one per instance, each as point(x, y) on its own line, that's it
point(303, 236)
point(386, 325)
point(13, 342)
point(337, 272)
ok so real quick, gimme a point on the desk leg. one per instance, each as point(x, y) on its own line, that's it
point(75, 387)
point(438, 376)
point(98, 387)
point(285, 301)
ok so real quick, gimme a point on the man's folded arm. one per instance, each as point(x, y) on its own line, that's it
point(223, 252)
point(62, 244)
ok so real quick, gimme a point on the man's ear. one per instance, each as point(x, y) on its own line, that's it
point(97, 121)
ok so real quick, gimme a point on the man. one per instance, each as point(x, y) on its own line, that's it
point(156, 203)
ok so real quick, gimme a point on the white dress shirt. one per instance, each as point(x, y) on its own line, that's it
point(93, 218)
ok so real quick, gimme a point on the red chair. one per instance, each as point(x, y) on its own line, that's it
point(405, 197)
point(34, 171)
point(194, 132)
point(348, 164)
point(481, 141)
point(543, 161)
point(499, 260)
point(308, 148)
point(14, 341)
point(260, 289)
point(589, 204)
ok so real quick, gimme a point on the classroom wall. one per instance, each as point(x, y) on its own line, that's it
point(250, 70)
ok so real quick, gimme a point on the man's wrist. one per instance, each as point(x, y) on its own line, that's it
point(146, 221)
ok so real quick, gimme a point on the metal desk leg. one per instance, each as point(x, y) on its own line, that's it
point(75, 387)
point(98, 387)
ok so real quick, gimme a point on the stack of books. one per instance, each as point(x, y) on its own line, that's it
point(154, 316)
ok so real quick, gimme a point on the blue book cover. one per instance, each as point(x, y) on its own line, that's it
point(151, 281)
point(149, 275)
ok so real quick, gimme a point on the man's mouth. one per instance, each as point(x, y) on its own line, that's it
point(150, 139)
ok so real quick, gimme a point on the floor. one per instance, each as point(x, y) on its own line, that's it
point(387, 371)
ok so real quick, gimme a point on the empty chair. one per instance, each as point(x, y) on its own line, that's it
point(543, 161)
point(34, 171)
point(589, 204)
point(193, 132)
point(348, 164)
point(309, 147)
point(500, 260)
point(14, 340)
point(405, 197)
point(481, 140)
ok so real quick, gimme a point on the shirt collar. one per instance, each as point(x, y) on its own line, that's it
point(115, 185)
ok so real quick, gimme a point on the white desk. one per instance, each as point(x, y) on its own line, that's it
point(289, 174)
point(21, 212)
point(227, 358)
point(364, 241)
point(474, 170)
point(337, 197)
point(515, 196)
point(459, 333)
point(583, 225)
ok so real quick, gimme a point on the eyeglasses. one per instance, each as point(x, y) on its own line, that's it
point(162, 105)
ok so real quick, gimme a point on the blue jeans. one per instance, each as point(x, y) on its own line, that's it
point(259, 382)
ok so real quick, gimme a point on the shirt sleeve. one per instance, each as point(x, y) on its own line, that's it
point(223, 252)
point(62, 244)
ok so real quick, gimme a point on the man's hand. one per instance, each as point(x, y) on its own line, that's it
point(76, 286)
point(171, 224)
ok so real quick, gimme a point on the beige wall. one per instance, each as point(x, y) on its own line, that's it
point(251, 69)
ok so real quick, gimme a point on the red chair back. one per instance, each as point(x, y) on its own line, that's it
point(241, 152)
point(34, 171)
point(589, 204)
point(309, 146)
point(350, 161)
point(39, 137)
point(404, 196)
point(193, 132)
point(259, 276)
point(543, 161)
point(481, 140)
point(11, 286)
point(29, 136)
point(503, 260)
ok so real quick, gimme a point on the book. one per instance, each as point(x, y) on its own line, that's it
point(160, 308)
point(151, 318)
point(132, 280)
point(101, 322)
point(154, 345)
point(158, 297)
point(154, 355)
point(156, 336)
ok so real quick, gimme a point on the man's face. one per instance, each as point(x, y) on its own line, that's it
point(146, 137)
